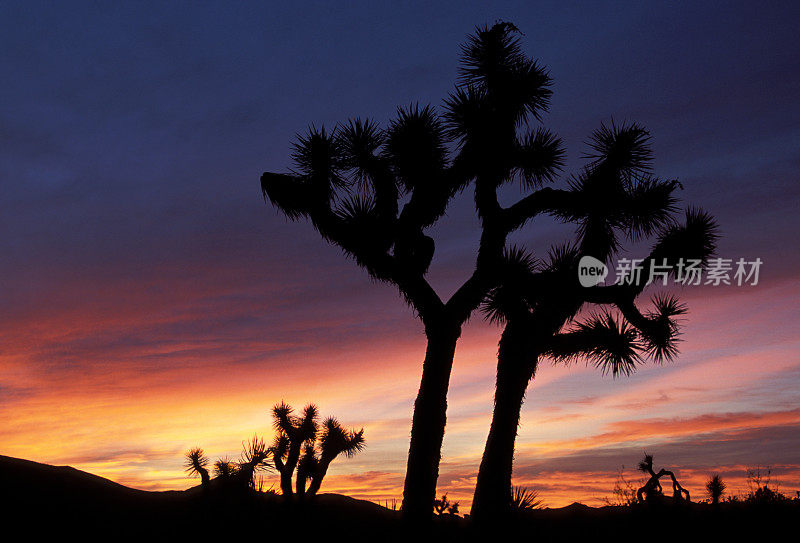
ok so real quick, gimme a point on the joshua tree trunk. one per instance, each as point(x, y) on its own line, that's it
point(286, 477)
point(316, 480)
point(427, 428)
point(300, 484)
point(515, 367)
point(205, 479)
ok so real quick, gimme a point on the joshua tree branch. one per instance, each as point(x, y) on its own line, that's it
point(497, 225)
point(383, 266)
point(543, 200)
point(693, 240)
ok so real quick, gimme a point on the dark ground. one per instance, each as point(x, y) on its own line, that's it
point(52, 502)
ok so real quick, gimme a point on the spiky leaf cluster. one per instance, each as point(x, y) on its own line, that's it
point(196, 462)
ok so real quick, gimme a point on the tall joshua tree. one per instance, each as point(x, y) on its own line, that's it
point(614, 196)
point(350, 183)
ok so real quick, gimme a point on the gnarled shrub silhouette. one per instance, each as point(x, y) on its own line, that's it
point(623, 494)
point(652, 491)
point(319, 446)
point(762, 490)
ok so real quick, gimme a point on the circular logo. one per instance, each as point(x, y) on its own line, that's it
point(591, 271)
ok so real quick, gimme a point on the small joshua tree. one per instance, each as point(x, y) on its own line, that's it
point(293, 432)
point(298, 434)
point(715, 488)
point(335, 440)
point(197, 465)
point(443, 506)
point(255, 456)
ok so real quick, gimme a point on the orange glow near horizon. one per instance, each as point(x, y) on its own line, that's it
point(132, 420)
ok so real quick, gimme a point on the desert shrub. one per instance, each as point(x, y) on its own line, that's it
point(624, 492)
point(762, 489)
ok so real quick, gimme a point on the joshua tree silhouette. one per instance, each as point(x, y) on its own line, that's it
point(334, 441)
point(443, 506)
point(350, 182)
point(614, 195)
point(302, 433)
point(293, 433)
point(197, 464)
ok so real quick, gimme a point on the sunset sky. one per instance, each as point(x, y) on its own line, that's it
point(152, 302)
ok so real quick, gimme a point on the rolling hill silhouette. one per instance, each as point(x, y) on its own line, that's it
point(64, 499)
point(58, 500)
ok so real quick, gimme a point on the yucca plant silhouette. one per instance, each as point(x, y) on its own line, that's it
point(540, 303)
point(525, 499)
point(715, 488)
point(350, 183)
point(224, 468)
point(255, 458)
point(197, 465)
